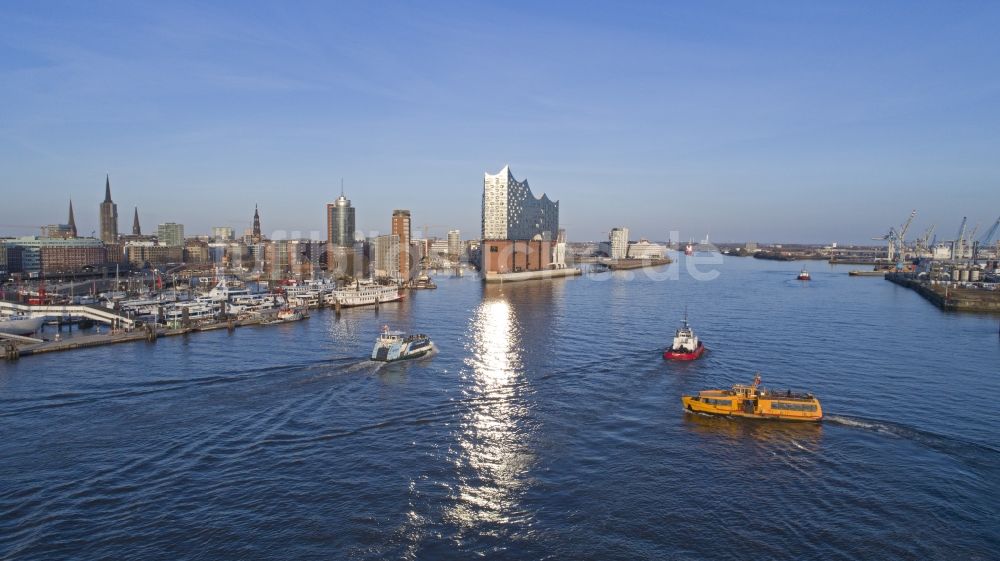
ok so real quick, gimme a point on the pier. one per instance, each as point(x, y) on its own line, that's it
point(624, 264)
point(16, 346)
point(96, 313)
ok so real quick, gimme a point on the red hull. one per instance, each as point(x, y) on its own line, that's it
point(669, 354)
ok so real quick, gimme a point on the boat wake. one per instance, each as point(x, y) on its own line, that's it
point(944, 443)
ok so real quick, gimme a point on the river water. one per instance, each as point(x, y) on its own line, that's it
point(547, 427)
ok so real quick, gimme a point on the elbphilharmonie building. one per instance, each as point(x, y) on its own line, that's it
point(511, 212)
point(520, 231)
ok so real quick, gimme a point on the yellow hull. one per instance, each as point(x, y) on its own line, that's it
point(771, 407)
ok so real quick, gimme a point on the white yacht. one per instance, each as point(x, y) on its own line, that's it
point(20, 325)
point(222, 292)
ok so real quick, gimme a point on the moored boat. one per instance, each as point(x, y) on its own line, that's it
point(393, 346)
point(423, 281)
point(686, 345)
point(289, 314)
point(20, 325)
point(363, 294)
point(755, 402)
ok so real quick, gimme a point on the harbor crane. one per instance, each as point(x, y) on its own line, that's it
point(902, 233)
point(896, 239)
point(956, 246)
point(921, 245)
point(986, 240)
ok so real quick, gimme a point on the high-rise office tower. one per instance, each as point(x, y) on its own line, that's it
point(340, 222)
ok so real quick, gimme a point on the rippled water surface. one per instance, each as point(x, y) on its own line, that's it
point(548, 427)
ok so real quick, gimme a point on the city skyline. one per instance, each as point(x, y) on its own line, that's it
point(702, 117)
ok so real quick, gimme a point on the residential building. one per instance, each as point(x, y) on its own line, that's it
point(223, 234)
point(454, 245)
point(440, 249)
point(618, 238)
point(401, 229)
point(170, 234)
point(385, 256)
point(55, 255)
point(196, 252)
point(150, 253)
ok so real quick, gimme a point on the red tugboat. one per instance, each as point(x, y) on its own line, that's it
point(804, 275)
point(689, 249)
point(686, 345)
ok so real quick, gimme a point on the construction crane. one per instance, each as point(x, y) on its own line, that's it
point(426, 229)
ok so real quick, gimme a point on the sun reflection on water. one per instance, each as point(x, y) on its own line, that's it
point(492, 455)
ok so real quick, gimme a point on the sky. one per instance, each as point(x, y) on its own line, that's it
point(788, 121)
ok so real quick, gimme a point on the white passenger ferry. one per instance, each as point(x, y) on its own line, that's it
point(392, 346)
point(364, 294)
point(196, 311)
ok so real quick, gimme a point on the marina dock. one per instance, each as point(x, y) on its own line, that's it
point(14, 348)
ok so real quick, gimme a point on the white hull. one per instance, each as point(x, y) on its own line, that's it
point(364, 296)
point(393, 347)
point(25, 326)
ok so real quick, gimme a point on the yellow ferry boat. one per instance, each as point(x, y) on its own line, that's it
point(755, 402)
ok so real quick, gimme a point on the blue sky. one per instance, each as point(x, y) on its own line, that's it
point(773, 121)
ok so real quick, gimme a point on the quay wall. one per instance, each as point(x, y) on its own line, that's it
point(531, 275)
point(622, 264)
point(949, 297)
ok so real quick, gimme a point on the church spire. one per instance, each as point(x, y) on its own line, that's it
point(72, 221)
point(256, 225)
point(107, 188)
point(136, 230)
